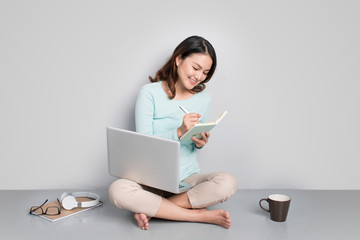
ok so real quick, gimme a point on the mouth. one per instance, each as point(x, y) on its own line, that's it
point(192, 81)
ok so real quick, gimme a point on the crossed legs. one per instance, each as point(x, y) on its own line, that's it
point(129, 195)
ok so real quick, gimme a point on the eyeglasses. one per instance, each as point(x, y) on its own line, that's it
point(50, 210)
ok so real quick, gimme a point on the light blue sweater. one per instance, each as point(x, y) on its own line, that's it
point(156, 114)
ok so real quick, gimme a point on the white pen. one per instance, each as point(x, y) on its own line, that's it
point(183, 109)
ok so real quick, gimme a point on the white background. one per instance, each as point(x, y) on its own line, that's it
point(288, 73)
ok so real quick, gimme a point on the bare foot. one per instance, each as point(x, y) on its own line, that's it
point(142, 221)
point(219, 217)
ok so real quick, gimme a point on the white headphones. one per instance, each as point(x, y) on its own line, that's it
point(68, 200)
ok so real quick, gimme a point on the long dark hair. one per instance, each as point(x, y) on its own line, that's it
point(190, 45)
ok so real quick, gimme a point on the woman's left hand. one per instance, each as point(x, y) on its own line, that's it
point(199, 143)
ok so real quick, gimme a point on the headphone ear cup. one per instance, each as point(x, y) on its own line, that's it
point(64, 195)
point(69, 202)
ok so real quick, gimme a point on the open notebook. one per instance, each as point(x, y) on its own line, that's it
point(196, 130)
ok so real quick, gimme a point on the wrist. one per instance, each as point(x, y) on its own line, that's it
point(179, 132)
point(198, 147)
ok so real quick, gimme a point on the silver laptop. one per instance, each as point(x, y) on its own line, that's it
point(145, 159)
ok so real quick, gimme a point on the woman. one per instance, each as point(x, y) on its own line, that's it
point(181, 81)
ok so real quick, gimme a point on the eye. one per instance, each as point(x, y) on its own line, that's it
point(195, 68)
point(206, 73)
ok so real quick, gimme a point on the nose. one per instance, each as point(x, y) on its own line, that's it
point(198, 76)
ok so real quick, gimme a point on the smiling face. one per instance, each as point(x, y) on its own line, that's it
point(192, 70)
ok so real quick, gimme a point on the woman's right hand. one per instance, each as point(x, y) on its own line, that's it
point(189, 121)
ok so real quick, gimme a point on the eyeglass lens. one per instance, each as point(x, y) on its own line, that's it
point(51, 210)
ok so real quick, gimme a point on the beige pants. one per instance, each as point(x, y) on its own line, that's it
point(209, 189)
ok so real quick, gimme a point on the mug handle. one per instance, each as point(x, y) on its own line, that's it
point(264, 199)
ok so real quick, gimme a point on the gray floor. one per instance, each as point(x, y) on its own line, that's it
point(312, 215)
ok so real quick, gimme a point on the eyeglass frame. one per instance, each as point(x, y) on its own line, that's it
point(35, 208)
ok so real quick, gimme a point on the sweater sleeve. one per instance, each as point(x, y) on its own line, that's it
point(144, 116)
